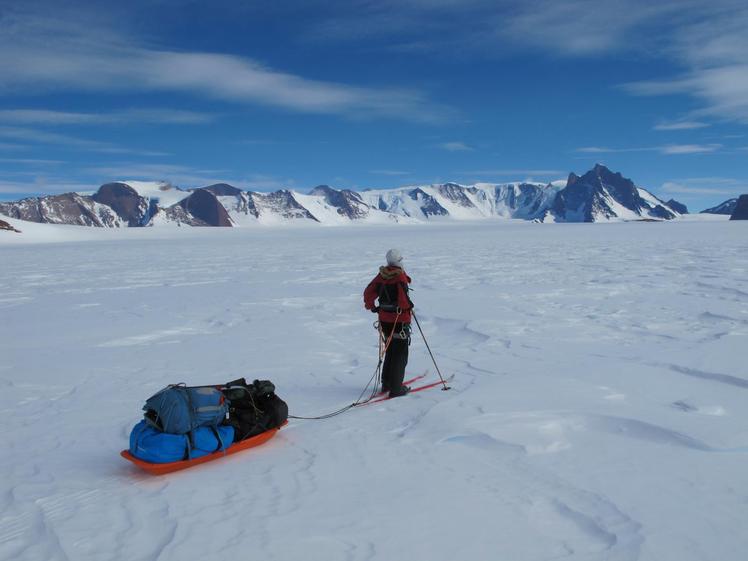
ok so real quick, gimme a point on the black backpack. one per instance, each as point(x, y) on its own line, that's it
point(254, 408)
point(388, 295)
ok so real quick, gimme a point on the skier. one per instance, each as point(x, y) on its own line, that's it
point(390, 291)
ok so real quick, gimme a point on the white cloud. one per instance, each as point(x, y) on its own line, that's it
point(514, 172)
point(713, 47)
point(668, 149)
point(605, 150)
point(706, 37)
point(455, 147)
point(703, 186)
point(30, 161)
point(68, 141)
point(690, 148)
point(156, 116)
point(49, 56)
point(44, 185)
point(187, 177)
point(10, 146)
point(680, 126)
point(389, 172)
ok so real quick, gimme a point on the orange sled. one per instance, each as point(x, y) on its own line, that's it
point(160, 469)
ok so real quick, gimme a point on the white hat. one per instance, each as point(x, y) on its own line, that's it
point(394, 258)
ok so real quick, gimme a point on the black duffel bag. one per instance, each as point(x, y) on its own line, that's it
point(254, 408)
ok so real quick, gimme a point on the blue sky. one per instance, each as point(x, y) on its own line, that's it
point(361, 94)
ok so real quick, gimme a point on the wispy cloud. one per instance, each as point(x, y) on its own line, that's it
point(455, 146)
point(668, 149)
point(389, 172)
point(68, 141)
point(55, 55)
point(606, 150)
point(42, 185)
point(11, 146)
point(130, 116)
point(714, 48)
point(680, 126)
point(175, 174)
point(706, 37)
point(514, 172)
point(30, 161)
point(188, 177)
point(706, 186)
point(690, 148)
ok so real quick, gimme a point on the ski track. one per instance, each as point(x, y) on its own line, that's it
point(595, 390)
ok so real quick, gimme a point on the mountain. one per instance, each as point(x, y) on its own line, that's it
point(5, 226)
point(678, 207)
point(125, 201)
point(598, 195)
point(601, 195)
point(741, 209)
point(723, 208)
point(68, 208)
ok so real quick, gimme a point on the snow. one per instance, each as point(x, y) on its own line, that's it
point(166, 194)
point(598, 410)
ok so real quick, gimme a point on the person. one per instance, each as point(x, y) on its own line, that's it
point(387, 296)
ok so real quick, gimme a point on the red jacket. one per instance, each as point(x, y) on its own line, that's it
point(391, 276)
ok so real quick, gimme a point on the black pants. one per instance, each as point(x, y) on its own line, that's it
point(396, 357)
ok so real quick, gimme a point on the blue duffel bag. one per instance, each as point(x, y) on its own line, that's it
point(180, 409)
point(149, 444)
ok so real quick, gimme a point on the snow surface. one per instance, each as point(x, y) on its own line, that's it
point(166, 194)
point(598, 410)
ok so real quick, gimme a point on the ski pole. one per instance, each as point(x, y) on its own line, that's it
point(446, 387)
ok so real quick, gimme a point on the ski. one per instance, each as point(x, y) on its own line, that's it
point(384, 394)
point(407, 382)
point(412, 390)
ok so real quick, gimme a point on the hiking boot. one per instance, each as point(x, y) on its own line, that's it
point(402, 391)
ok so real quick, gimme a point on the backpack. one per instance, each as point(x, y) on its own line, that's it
point(389, 294)
point(179, 409)
point(254, 408)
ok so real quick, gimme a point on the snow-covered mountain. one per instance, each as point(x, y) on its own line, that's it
point(723, 208)
point(601, 195)
point(598, 195)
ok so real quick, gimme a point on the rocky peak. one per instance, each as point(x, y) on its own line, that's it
point(572, 180)
point(677, 206)
point(124, 201)
point(723, 208)
point(223, 190)
point(5, 226)
point(741, 209)
point(204, 206)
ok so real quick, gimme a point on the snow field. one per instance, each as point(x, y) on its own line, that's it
point(598, 410)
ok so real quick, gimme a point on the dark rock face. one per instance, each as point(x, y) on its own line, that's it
point(588, 197)
point(234, 199)
point(68, 208)
point(430, 206)
point(223, 190)
point(125, 201)
point(677, 207)
point(530, 199)
point(455, 193)
point(347, 203)
point(741, 209)
point(5, 226)
point(205, 208)
point(281, 203)
point(728, 207)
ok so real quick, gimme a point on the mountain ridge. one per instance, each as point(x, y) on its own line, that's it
point(596, 196)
